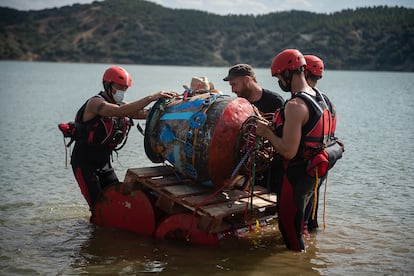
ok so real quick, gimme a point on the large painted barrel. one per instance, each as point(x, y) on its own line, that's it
point(197, 135)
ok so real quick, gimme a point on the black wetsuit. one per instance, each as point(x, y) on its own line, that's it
point(311, 223)
point(297, 186)
point(91, 155)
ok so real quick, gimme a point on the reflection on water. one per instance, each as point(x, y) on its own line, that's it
point(44, 220)
point(115, 251)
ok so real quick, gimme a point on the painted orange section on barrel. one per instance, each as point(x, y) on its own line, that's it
point(222, 147)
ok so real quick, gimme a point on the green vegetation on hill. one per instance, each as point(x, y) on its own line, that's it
point(141, 32)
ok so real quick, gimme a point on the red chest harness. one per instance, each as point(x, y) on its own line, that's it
point(104, 131)
point(316, 132)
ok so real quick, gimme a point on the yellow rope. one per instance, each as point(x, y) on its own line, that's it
point(315, 193)
point(324, 204)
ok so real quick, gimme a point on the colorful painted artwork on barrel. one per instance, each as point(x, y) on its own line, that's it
point(197, 135)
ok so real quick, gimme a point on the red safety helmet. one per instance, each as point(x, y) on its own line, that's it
point(314, 65)
point(117, 75)
point(289, 59)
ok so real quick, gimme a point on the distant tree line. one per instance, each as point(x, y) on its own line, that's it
point(141, 32)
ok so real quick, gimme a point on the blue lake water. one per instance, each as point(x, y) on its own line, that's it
point(44, 220)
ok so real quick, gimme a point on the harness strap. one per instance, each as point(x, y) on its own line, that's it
point(330, 120)
point(128, 126)
point(67, 145)
point(321, 110)
point(310, 98)
point(66, 153)
point(196, 130)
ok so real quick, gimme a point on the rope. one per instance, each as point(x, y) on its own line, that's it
point(324, 204)
point(253, 177)
point(253, 172)
point(315, 193)
point(67, 145)
point(66, 153)
point(212, 195)
point(237, 168)
point(251, 136)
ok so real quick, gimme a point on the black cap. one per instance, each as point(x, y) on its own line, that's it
point(239, 70)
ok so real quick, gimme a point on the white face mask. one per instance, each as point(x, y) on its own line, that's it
point(119, 96)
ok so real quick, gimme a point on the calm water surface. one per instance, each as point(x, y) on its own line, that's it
point(44, 227)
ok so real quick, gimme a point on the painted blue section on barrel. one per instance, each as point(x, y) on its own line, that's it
point(177, 116)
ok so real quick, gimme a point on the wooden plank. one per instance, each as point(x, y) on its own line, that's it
point(185, 190)
point(147, 172)
point(236, 207)
point(217, 212)
point(223, 196)
point(205, 199)
point(165, 203)
point(210, 224)
point(257, 202)
point(271, 198)
point(219, 224)
point(211, 198)
point(260, 190)
point(167, 181)
point(225, 221)
point(169, 206)
point(224, 209)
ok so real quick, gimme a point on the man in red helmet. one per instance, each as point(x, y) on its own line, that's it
point(102, 124)
point(313, 73)
point(298, 127)
point(314, 69)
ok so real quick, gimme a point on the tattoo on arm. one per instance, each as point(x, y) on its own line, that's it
point(100, 108)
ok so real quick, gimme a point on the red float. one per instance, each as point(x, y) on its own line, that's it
point(125, 210)
point(184, 227)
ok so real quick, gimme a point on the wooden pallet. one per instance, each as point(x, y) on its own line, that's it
point(218, 209)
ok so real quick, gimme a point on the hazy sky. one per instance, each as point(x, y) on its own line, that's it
point(229, 6)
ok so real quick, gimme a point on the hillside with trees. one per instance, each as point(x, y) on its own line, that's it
point(140, 32)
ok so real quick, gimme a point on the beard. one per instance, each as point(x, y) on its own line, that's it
point(244, 92)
